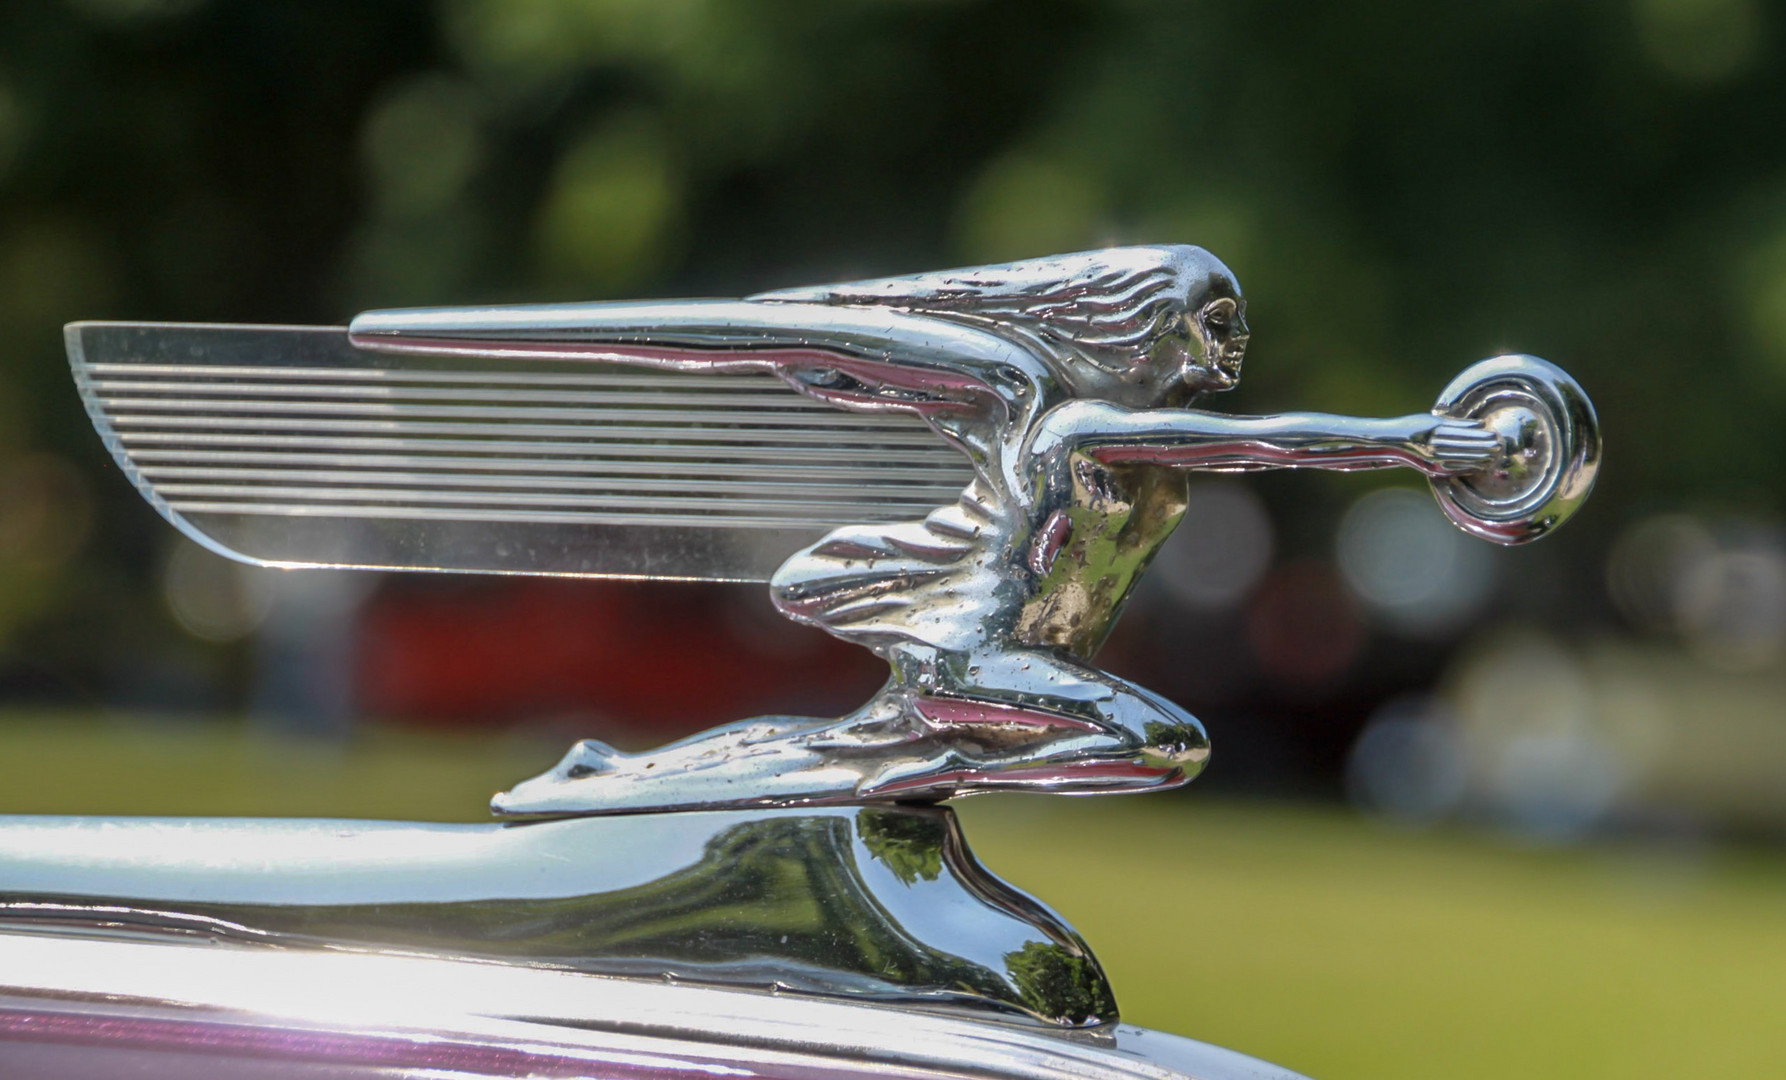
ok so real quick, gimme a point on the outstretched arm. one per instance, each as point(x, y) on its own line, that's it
point(1193, 439)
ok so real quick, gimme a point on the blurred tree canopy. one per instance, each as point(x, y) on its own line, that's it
point(1402, 187)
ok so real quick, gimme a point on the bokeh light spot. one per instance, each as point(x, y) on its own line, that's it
point(421, 144)
point(1649, 562)
point(1408, 764)
point(532, 42)
point(1302, 626)
point(1699, 41)
point(1219, 551)
point(213, 598)
point(1415, 572)
point(1722, 589)
point(513, 35)
point(614, 211)
point(1556, 786)
point(1767, 303)
point(1733, 606)
point(1023, 206)
point(1540, 761)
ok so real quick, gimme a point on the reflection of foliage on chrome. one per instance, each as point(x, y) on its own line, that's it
point(1069, 982)
point(780, 901)
point(909, 845)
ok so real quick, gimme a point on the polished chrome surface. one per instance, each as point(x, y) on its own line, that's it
point(1548, 453)
point(874, 903)
point(1067, 385)
point(75, 1008)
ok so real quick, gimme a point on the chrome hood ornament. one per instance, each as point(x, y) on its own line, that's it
point(807, 437)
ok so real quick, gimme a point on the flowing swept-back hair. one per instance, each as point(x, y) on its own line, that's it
point(1110, 308)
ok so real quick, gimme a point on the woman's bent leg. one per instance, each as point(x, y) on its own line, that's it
point(1035, 720)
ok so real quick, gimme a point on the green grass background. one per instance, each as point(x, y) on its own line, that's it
point(1307, 936)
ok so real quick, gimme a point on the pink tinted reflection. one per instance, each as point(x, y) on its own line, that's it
point(958, 712)
point(232, 1050)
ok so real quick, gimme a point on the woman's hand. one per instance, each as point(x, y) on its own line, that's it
point(1442, 446)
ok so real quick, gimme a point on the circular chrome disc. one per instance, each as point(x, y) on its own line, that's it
point(1550, 448)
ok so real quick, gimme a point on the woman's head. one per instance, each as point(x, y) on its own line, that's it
point(1199, 338)
point(1140, 326)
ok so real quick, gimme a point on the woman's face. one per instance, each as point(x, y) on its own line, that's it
point(1203, 355)
point(1219, 329)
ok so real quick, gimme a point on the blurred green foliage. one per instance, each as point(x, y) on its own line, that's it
point(1403, 187)
point(1343, 950)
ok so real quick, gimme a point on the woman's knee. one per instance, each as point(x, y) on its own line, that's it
point(1156, 731)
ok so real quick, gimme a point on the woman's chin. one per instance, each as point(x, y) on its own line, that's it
point(1210, 380)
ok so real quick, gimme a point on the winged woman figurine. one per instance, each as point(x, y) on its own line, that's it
point(1070, 385)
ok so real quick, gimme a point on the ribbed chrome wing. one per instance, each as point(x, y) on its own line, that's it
point(288, 446)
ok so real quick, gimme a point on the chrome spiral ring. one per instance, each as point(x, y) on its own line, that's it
point(1549, 453)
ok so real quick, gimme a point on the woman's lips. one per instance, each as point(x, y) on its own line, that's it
point(1228, 363)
